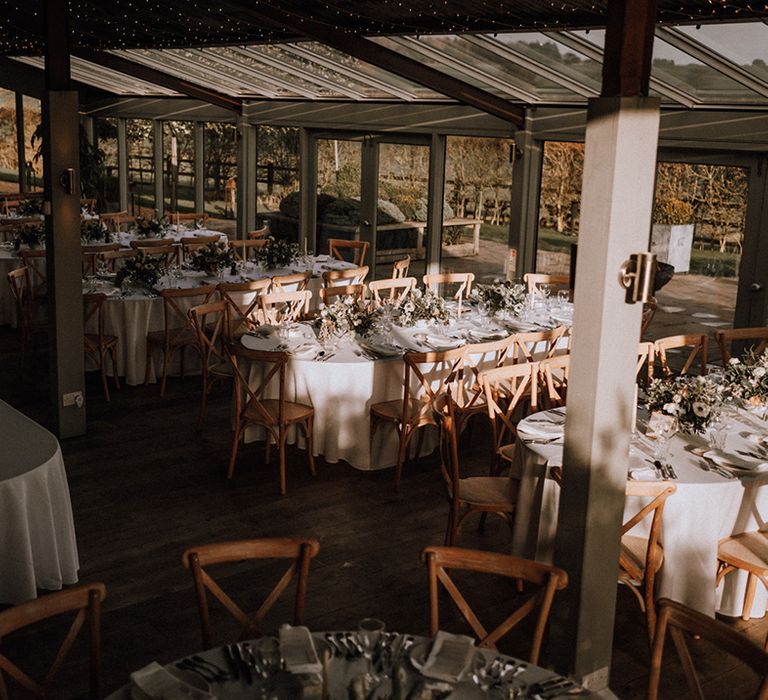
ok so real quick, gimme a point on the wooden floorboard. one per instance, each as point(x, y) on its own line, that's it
point(145, 485)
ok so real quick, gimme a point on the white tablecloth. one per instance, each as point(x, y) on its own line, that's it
point(705, 508)
point(38, 548)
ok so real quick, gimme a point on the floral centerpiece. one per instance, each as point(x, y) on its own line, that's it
point(141, 271)
point(30, 235)
point(419, 305)
point(501, 296)
point(277, 253)
point(747, 379)
point(30, 207)
point(345, 316)
point(211, 259)
point(150, 228)
point(694, 401)
point(92, 230)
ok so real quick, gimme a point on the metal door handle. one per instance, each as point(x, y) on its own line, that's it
point(756, 287)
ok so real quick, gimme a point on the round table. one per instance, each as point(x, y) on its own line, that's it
point(705, 508)
point(38, 548)
point(345, 672)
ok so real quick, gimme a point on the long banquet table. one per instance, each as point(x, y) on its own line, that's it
point(705, 508)
point(38, 548)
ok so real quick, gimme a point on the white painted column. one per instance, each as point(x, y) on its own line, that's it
point(617, 199)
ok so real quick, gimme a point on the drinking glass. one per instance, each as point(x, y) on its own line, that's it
point(267, 651)
point(369, 632)
point(484, 311)
point(563, 297)
point(663, 428)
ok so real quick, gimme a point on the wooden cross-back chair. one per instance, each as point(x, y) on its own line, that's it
point(274, 414)
point(209, 322)
point(389, 291)
point(400, 267)
point(168, 254)
point(680, 621)
point(29, 316)
point(473, 494)
point(549, 579)
point(191, 244)
point(646, 352)
point(358, 249)
point(259, 233)
point(295, 282)
point(300, 553)
point(86, 600)
point(246, 250)
point(280, 307)
point(115, 259)
point(140, 243)
point(755, 338)
point(698, 344)
point(243, 310)
point(341, 278)
point(178, 217)
point(510, 394)
point(553, 380)
point(99, 344)
point(330, 294)
point(92, 253)
point(37, 274)
point(463, 280)
point(746, 551)
point(534, 279)
point(426, 376)
point(115, 220)
point(178, 333)
point(89, 204)
point(537, 345)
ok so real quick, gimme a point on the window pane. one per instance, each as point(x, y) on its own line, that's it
point(338, 180)
point(141, 171)
point(478, 178)
point(9, 159)
point(106, 138)
point(220, 149)
point(33, 169)
point(277, 176)
point(179, 166)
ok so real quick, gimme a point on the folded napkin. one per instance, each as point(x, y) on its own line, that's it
point(441, 342)
point(153, 682)
point(381, 349)
point(449, 658)
point(298, 650)
point(481, 335)
point(732, 461)
point(546, 425)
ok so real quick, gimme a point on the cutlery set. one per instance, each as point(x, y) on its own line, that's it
point(554, 688)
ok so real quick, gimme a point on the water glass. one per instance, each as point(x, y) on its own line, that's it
point(563, 298)
point(369, 633)
point(267, 651)
point(662, 427)
point(484, 311)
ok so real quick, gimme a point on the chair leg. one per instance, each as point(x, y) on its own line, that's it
point(166, 353)
point(283, 437)
point(405, 434)
point(233, 453)
point(103, 372)
point(206, 389)
point(113, 355)
point(749, 596)
point(308, 430)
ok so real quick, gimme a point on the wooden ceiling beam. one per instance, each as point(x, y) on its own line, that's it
point(391, 61)
point(157, 77)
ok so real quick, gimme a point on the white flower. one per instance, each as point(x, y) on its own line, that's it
point(759, 371)
point(670, 408)
point(700, 409)
point(734, 361)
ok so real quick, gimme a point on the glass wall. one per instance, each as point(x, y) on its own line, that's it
point(106, 140)
point(338, 183)
point(220, 153)
point(277, 179)
point(178, 166)
point(33, 167)
point(478, 182)
point(141, 172)
point(9, 158)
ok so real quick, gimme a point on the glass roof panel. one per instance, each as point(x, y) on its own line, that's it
point(552, 54)
point(745, 44)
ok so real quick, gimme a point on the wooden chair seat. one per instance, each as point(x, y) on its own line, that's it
point(507, 452)
point(222, 369)
point(498, 492)
point(393, 410)
point(634, 549)
point(292, 411)
point(179, 338)
point(748, 551)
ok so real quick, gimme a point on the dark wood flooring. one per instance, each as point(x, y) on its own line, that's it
point(145, 485)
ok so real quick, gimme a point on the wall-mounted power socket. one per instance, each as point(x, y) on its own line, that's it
point(74, 398)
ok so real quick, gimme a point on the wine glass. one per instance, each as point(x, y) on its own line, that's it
point(663, 428)
point(369, 632)
point(484, 311)
point(268, 652)
point(563, 297)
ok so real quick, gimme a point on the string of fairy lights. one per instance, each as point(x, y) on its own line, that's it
point(125, 24)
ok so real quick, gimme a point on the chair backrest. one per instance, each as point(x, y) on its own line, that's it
point(329, 294)
point(698, 344)
point(758, 336)
point(534, 279)
point(176, 318)
point(138, 243)
point(242, 298)
point(341, 278)
point(480, 357)
point(18, 281)
point(677, 620)
point(246, 250)
point(37, 277)
point(646, 353)
point(298, 551)
point(168, 253)
point(429, 374)
point(91, 253)
point(208, 320)
point(114, 258)
point(177, 217)
point(649, 311)
point(463, 280)
point(258, 233)
point(510, 392)
point(115, 220)
point(395, 288)
point(86, 600)
point(189, 244)
point(278, 307)
point(536, 345)
point(89, 204)
point(549, 579)
point(553, 380)
point(400, 267)
point(338, 246)
point(296, 282)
